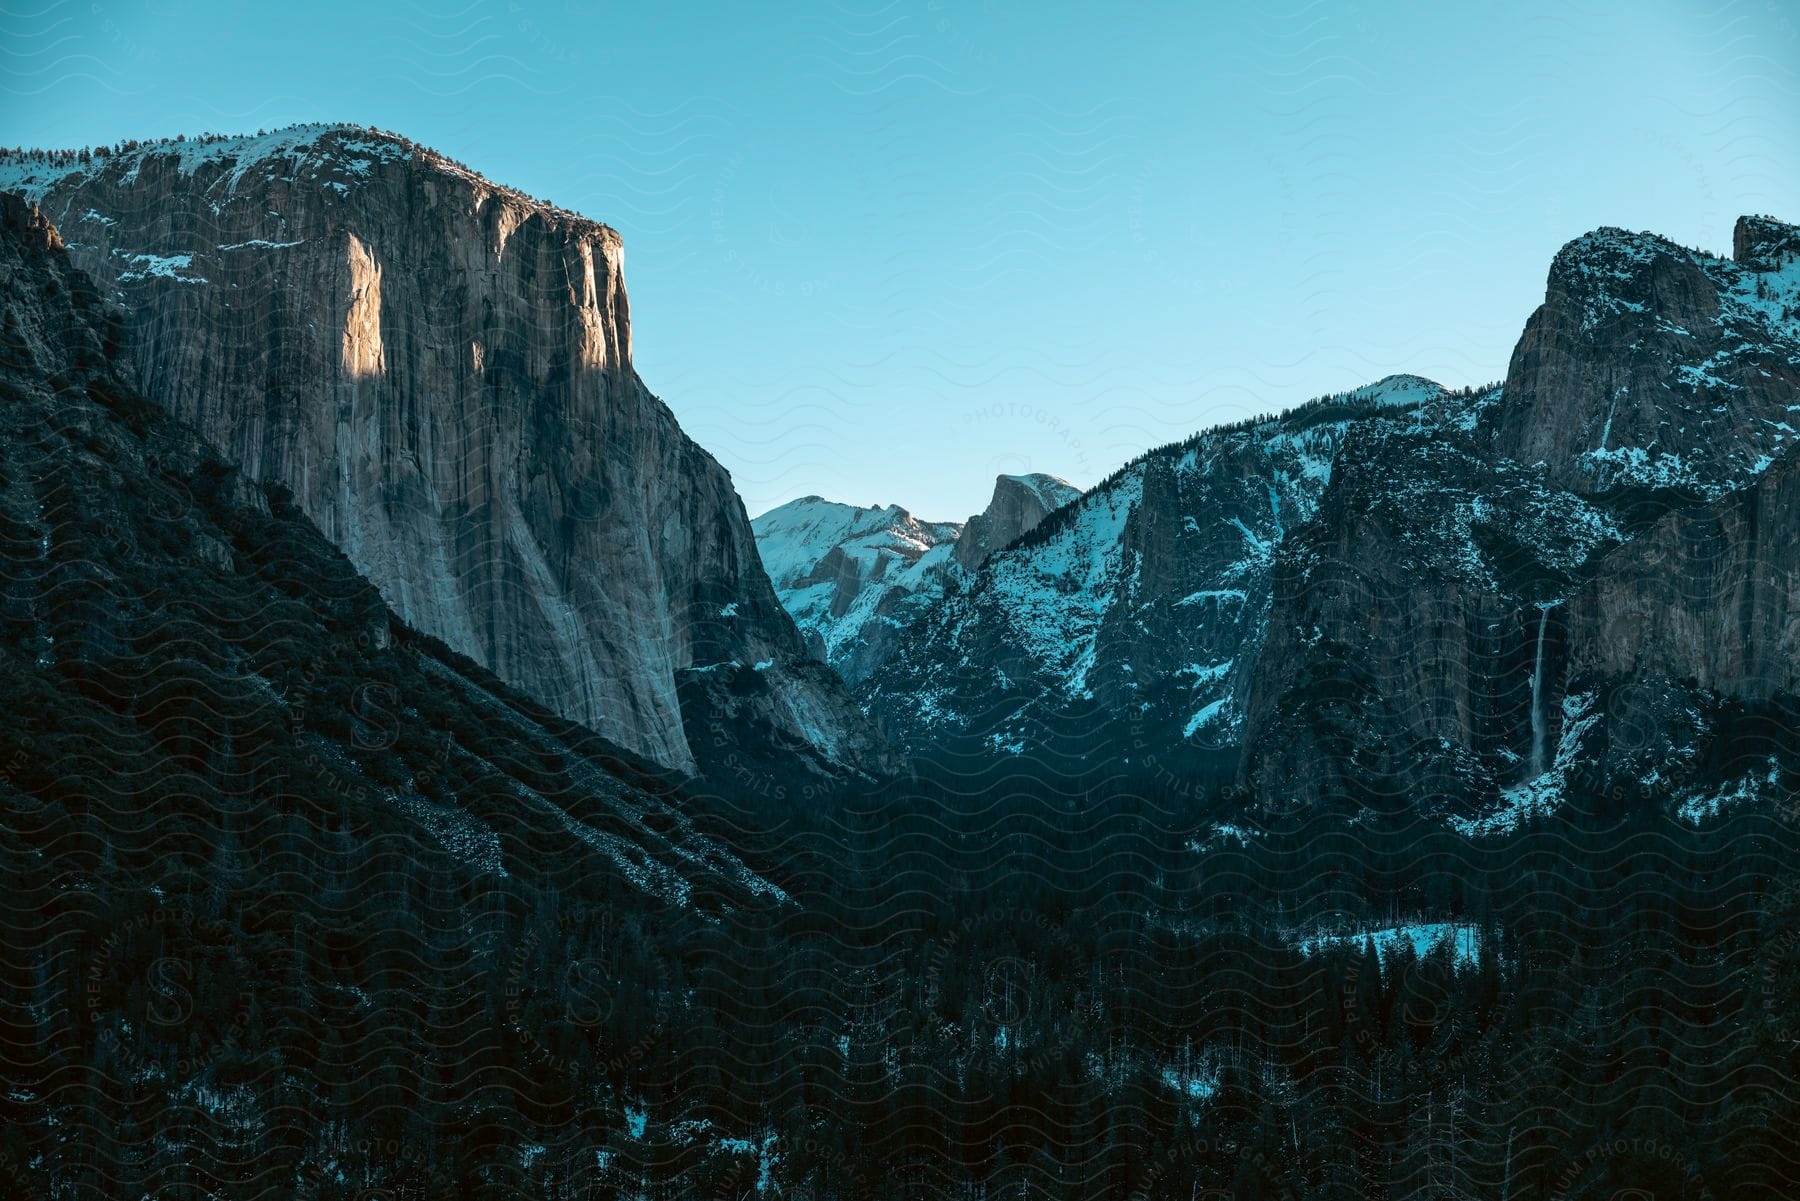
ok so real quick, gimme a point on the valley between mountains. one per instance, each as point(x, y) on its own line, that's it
point(422, 778)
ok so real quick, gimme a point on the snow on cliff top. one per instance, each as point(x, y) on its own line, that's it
point(34, 172)
point(352, 151)
point(1052, 490)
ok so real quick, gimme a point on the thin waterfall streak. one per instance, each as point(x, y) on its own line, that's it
point(1538, 749)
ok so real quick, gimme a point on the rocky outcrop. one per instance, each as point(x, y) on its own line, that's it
point(1127, 624)
point(1474, 614)
point(1019, 503)
point(439, 370)
point(1651, 365)
point(1764, 244)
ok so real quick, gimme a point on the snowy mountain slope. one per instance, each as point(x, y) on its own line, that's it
point(856, 580)
point(849, 576)
point(1138, 608)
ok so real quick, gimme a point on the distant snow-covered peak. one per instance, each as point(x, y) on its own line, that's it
point(851, 577)
point(795, 537)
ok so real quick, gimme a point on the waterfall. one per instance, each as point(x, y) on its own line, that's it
point(1538, 750)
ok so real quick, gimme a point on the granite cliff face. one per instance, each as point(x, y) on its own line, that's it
point(439, 370)
point(218, 736)
point(1585, 578)
point(190, 623)
point(1651, 365)
point(1019, 504)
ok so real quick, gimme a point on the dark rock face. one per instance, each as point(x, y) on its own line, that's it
point(1407, 619)
point(1127, 624)
point(1706, 592)
point(1019, 504)
point(439, 369)
point(1649, 365)
point(1475, 614)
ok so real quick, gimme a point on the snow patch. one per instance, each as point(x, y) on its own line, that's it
point(158, 266)
point(1700, 807)
point(262, 244)
point(1207, 715)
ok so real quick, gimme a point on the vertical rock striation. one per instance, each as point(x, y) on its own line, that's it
point(440, 371)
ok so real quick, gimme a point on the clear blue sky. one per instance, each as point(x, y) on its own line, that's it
point(886, 249)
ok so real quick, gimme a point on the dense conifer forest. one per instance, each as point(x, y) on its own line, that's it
point(300, 903)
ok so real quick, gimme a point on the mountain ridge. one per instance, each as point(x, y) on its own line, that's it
point(855, 579)
point(1415, 549)
point(1049, 643)
point(440, 369)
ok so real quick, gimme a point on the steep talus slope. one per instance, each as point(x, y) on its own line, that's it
point(856, 581)
point(1128, 622)
point(440, 371)
point(1584, 581)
